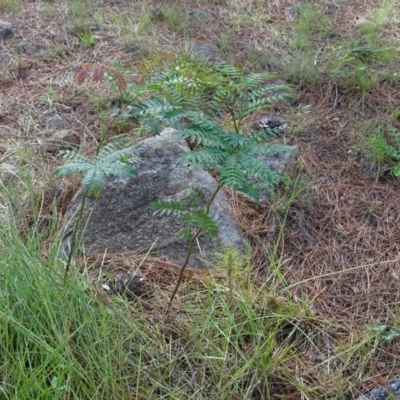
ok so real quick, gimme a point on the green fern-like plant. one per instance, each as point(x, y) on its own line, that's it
point(184, 82)
point(111, 160)
point(189, 95)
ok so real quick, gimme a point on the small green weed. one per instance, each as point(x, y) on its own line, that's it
point(384, 143)
point(79, 13)
point(312, 25)
point(86, 38)
point(175, 19)
point(383, 332)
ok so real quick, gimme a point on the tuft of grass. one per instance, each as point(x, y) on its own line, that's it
point(384, 144)
point(79, 13)
point(86, 38)
point(175, 19)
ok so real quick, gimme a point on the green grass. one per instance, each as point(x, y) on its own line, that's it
point(229, 335)
point(61, 339)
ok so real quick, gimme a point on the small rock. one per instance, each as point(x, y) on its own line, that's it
point(25, 47)
point(127, 282)
point(55, 122)
point(273, 122)
point(379, 393)
point(122, 218)
point(394, 385)
point(6, 31)
point(62, 140)
point(206, 51)
point(201, 16)
point(6, 34)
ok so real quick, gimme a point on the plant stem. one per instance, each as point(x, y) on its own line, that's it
point(75, 232)
point(190, 250)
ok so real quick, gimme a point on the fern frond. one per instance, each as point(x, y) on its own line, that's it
point(271, 149)
point(168, 208)
point(96, 72)
point(72, 168)
point(179, 117)
point(186, 234)
point(254, 79)
point(95, 178)
point(231, 173)
point(110, 161)
point(201, 137)
point(109, 148)
point(150, 125)
point(74, 162)
point(113, 151)
point(117, 169)
point(252, 190)
point(205, 157)
point(194, 198)
point(229, 70)
point(73, 156)
point(117, 77)
point(201, 220)
point(234, 140)
point(255, 168)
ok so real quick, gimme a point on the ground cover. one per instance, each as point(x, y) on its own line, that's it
point(313, 314)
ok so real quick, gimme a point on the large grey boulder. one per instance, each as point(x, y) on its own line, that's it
point(121, 219)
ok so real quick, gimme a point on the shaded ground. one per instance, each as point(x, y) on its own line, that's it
point(337, 242)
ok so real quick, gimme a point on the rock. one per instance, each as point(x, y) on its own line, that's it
point(25, 47)
point(273, 122)
point(127, 282)
point(379, 393)
point(206, 51)
point(61, 140)
point(394, 385)
point(282, 163)
point(55, 122)
point(201, 16)
point(122, 218)
point(6, 31)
